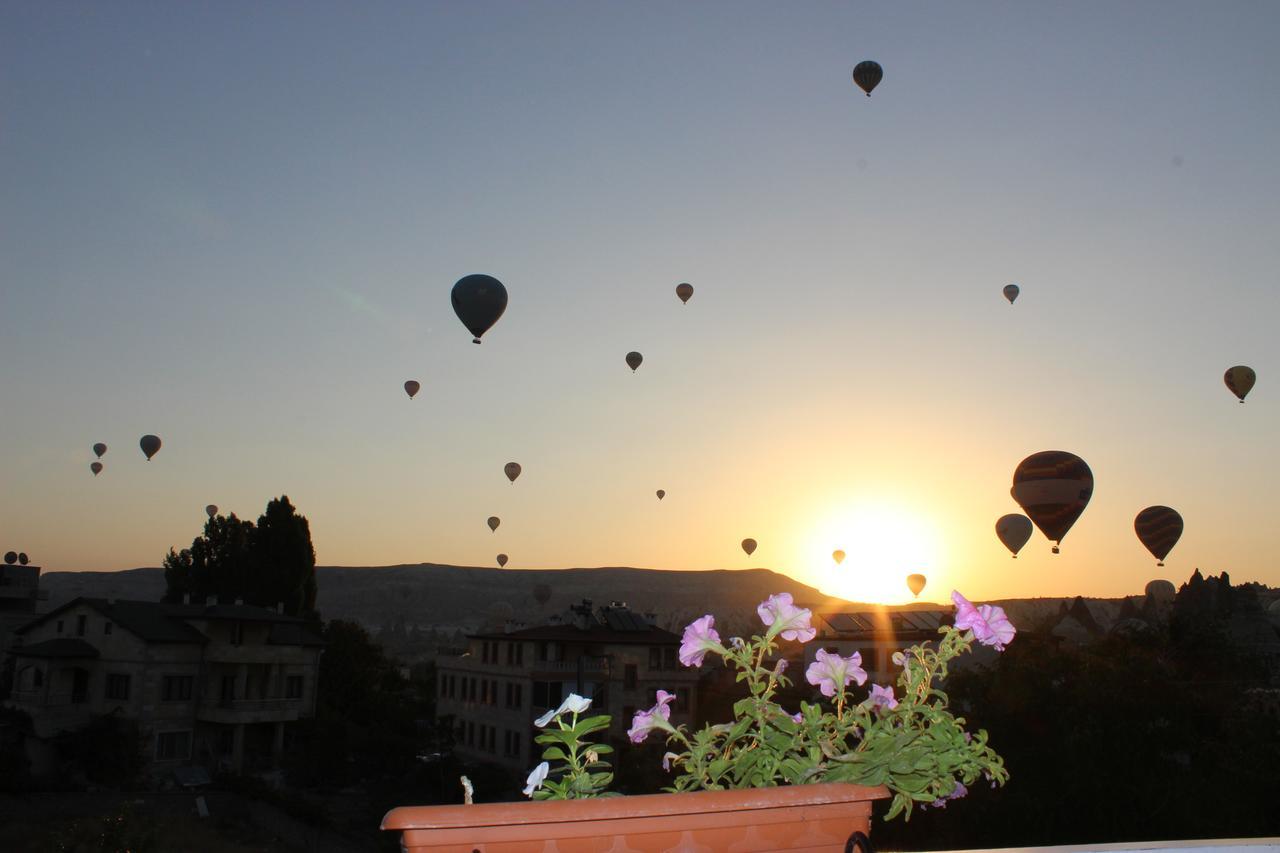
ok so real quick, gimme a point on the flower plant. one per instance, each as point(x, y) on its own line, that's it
point(905, 738)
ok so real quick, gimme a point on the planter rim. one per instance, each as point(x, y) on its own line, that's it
point(640, 805)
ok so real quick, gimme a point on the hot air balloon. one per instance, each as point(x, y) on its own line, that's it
point(1013, 530)
point(211, 510)
point(838, 556)
point(633, 360)
point(1162, 591)
point(494, 521)
point(1240, 379)
point(512, 470)
point(411, 387)
point(502, 560)
point(749, 545)
point(867, 75)
point(99, 449)
point(150, 445)
point(479, 301)
point(1011, 292)
point(661, 493)
point(96, 468)
point(541, 594)
point(1053, 487)
point(1158, 528)
point(684, 291)
point(916, 584)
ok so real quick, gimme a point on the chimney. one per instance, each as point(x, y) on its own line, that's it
point(650, 617)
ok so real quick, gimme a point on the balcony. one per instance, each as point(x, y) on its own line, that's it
point(575, 665)
point(244, 711)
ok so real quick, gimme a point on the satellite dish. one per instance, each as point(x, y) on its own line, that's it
point(11, 557)
point(22, 558)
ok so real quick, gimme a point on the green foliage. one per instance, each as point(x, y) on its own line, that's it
point(578, 773)
point(108, 751)
point(263, 564)
point(918, 749)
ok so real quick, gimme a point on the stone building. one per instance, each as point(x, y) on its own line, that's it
point(505, 680)
point(215, 685)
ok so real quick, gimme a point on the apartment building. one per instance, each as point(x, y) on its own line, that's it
point(506, 680)
point(209, 684)
point(876, 635)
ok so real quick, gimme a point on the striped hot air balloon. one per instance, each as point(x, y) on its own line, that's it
point(1159, 528)
point(1053, 487)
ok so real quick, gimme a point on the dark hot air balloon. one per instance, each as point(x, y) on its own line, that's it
point(1240, 380)
point(412, 387)
point(916, 583)
point(512, 470)
point(211, 510)
point(99, 449)
point(749, 545)
point(494, 521)
point(96, 468)
point(1053, 487)
point(150, 445)
point(838, 556)
point(867, 75)
point(633, 360)
point(684, 291)
point(1011, 292)
point(502, 560)
point(1013, 530)
point(1158, 528)
point(662, 493)
point(479, 301)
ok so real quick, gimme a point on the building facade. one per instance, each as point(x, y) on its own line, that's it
point(505, 680)
point(214, 685)
point(876, 635)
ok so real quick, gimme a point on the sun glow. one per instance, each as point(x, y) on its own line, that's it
point(883, 543)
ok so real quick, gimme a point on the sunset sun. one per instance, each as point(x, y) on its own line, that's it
point(882, 543)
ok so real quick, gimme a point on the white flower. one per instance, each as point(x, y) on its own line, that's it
point(574, 704)
point(536, 777)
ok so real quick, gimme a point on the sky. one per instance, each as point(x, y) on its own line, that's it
point(236, 226)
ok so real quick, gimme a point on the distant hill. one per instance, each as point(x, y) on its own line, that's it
point(462, 597)
point(449, 598)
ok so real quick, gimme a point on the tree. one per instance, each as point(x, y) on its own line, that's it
point(270, 563)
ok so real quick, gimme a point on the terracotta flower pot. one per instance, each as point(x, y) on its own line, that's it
point(809, 818)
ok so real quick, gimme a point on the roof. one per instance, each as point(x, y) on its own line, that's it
point(149, 620)
point(62, 647)
point(649, 635)
point(883, 622)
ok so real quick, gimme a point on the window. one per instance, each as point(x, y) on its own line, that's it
point(79, 685)
point(228, 694)
point(106, 627)
point(514, 696)
point(682, 699)
point(173, 746)
point(629, 677)
point(515, 743)
point(547, 694)
point(37, 678)
point(669, 658)
point(237, 634)
point(117, 686)
point(519, 655)
point(81, 623)
point(655, 657)
point(59, 626)
point(176, 688)
point(471, 733)
point(293, 687)
point(493, 693)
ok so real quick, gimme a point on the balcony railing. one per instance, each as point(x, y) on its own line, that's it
point(584, 664)
point(274, 704)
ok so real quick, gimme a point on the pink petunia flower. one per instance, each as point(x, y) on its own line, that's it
point(989, 624)
point(654, 718)
point(700, 637)
point(882, 697)
point(792, 622)
point(831, 672)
